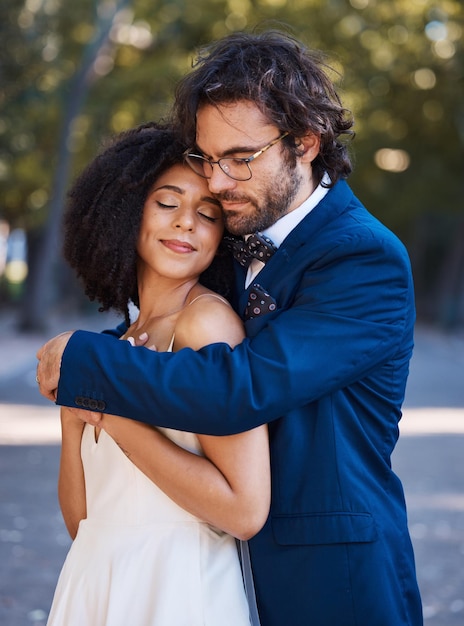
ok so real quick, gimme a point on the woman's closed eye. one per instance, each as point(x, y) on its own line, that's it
point(208, 217)
point(164, 205)
point(208, 214)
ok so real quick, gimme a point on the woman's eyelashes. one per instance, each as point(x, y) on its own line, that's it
point(166, 206)
point(209, 218)
point(207, 214)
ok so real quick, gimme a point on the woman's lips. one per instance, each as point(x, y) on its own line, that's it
point(181, 247)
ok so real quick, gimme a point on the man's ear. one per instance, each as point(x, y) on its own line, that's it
point(309, 146)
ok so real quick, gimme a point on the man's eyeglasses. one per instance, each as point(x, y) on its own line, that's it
point(237, 168)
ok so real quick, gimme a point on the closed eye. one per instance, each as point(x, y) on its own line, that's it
point(166, 206)
point(210, 218)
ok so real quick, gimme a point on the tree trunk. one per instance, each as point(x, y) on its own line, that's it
point(41, 287)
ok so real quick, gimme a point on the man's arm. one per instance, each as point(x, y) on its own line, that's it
point(350, 314)
point(51, 354)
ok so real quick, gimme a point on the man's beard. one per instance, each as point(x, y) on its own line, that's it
point(275, 203)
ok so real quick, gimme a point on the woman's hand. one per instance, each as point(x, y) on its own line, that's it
point(82, 415)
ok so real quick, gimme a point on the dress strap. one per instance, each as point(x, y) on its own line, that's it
point(210, 295)
point(171, 343)
point(202, 295)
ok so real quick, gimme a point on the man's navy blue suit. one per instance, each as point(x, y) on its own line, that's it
point(327, 369)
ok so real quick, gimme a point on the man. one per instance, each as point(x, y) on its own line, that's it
point(329, 320)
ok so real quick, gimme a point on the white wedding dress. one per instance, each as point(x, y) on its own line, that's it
point(141, 560)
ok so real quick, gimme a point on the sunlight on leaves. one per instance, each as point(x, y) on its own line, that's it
point(392, 160)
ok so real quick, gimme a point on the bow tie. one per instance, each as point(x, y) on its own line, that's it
point(256, 246)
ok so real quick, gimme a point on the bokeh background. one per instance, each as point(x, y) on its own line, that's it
point(72, 73)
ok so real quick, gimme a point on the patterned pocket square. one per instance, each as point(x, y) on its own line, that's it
point(259, 302)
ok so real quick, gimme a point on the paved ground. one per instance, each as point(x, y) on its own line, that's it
point(428, 458)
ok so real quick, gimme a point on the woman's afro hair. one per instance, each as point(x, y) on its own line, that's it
point(104, 211)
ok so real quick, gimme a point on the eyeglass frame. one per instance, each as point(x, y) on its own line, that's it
point(246, 160)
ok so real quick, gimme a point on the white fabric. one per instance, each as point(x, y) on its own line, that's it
point(141, 560)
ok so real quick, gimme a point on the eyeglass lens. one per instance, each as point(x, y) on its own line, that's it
point(235, 168)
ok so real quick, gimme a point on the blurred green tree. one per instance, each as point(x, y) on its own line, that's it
point(73, 73)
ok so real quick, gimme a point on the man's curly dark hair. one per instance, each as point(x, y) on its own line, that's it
point(287, 82)
point(104, 211)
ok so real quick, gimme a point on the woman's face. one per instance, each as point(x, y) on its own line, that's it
point(182, 225)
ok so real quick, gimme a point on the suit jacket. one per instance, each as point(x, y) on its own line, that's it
point(327, 369)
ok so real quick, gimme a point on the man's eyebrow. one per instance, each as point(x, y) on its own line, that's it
point(231, 150)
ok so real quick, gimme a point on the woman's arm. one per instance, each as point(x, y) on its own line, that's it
point(231, 487)
point(71, 486)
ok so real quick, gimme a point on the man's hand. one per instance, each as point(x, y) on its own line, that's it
point(48, 369)
point(50, 355)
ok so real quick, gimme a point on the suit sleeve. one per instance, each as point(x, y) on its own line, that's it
point(352, 311)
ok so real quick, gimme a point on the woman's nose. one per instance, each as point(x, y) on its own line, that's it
point(184, 220)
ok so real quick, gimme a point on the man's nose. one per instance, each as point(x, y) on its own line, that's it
point(219, 181)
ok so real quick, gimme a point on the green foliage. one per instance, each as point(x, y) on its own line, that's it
point(400, 62)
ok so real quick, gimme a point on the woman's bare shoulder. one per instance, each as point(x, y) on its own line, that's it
point(208, 318)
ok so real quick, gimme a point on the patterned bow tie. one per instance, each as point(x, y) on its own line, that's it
point(257, 246)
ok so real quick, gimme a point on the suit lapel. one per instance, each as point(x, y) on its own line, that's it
point(334, 203)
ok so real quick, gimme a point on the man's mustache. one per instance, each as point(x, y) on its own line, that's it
point(231, 197)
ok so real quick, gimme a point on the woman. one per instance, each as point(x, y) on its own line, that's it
point(154, 513)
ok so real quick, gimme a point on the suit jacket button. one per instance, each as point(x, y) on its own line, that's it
point(85, 403)
point(101, 406)
point(93, 404)
point(79, 400)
